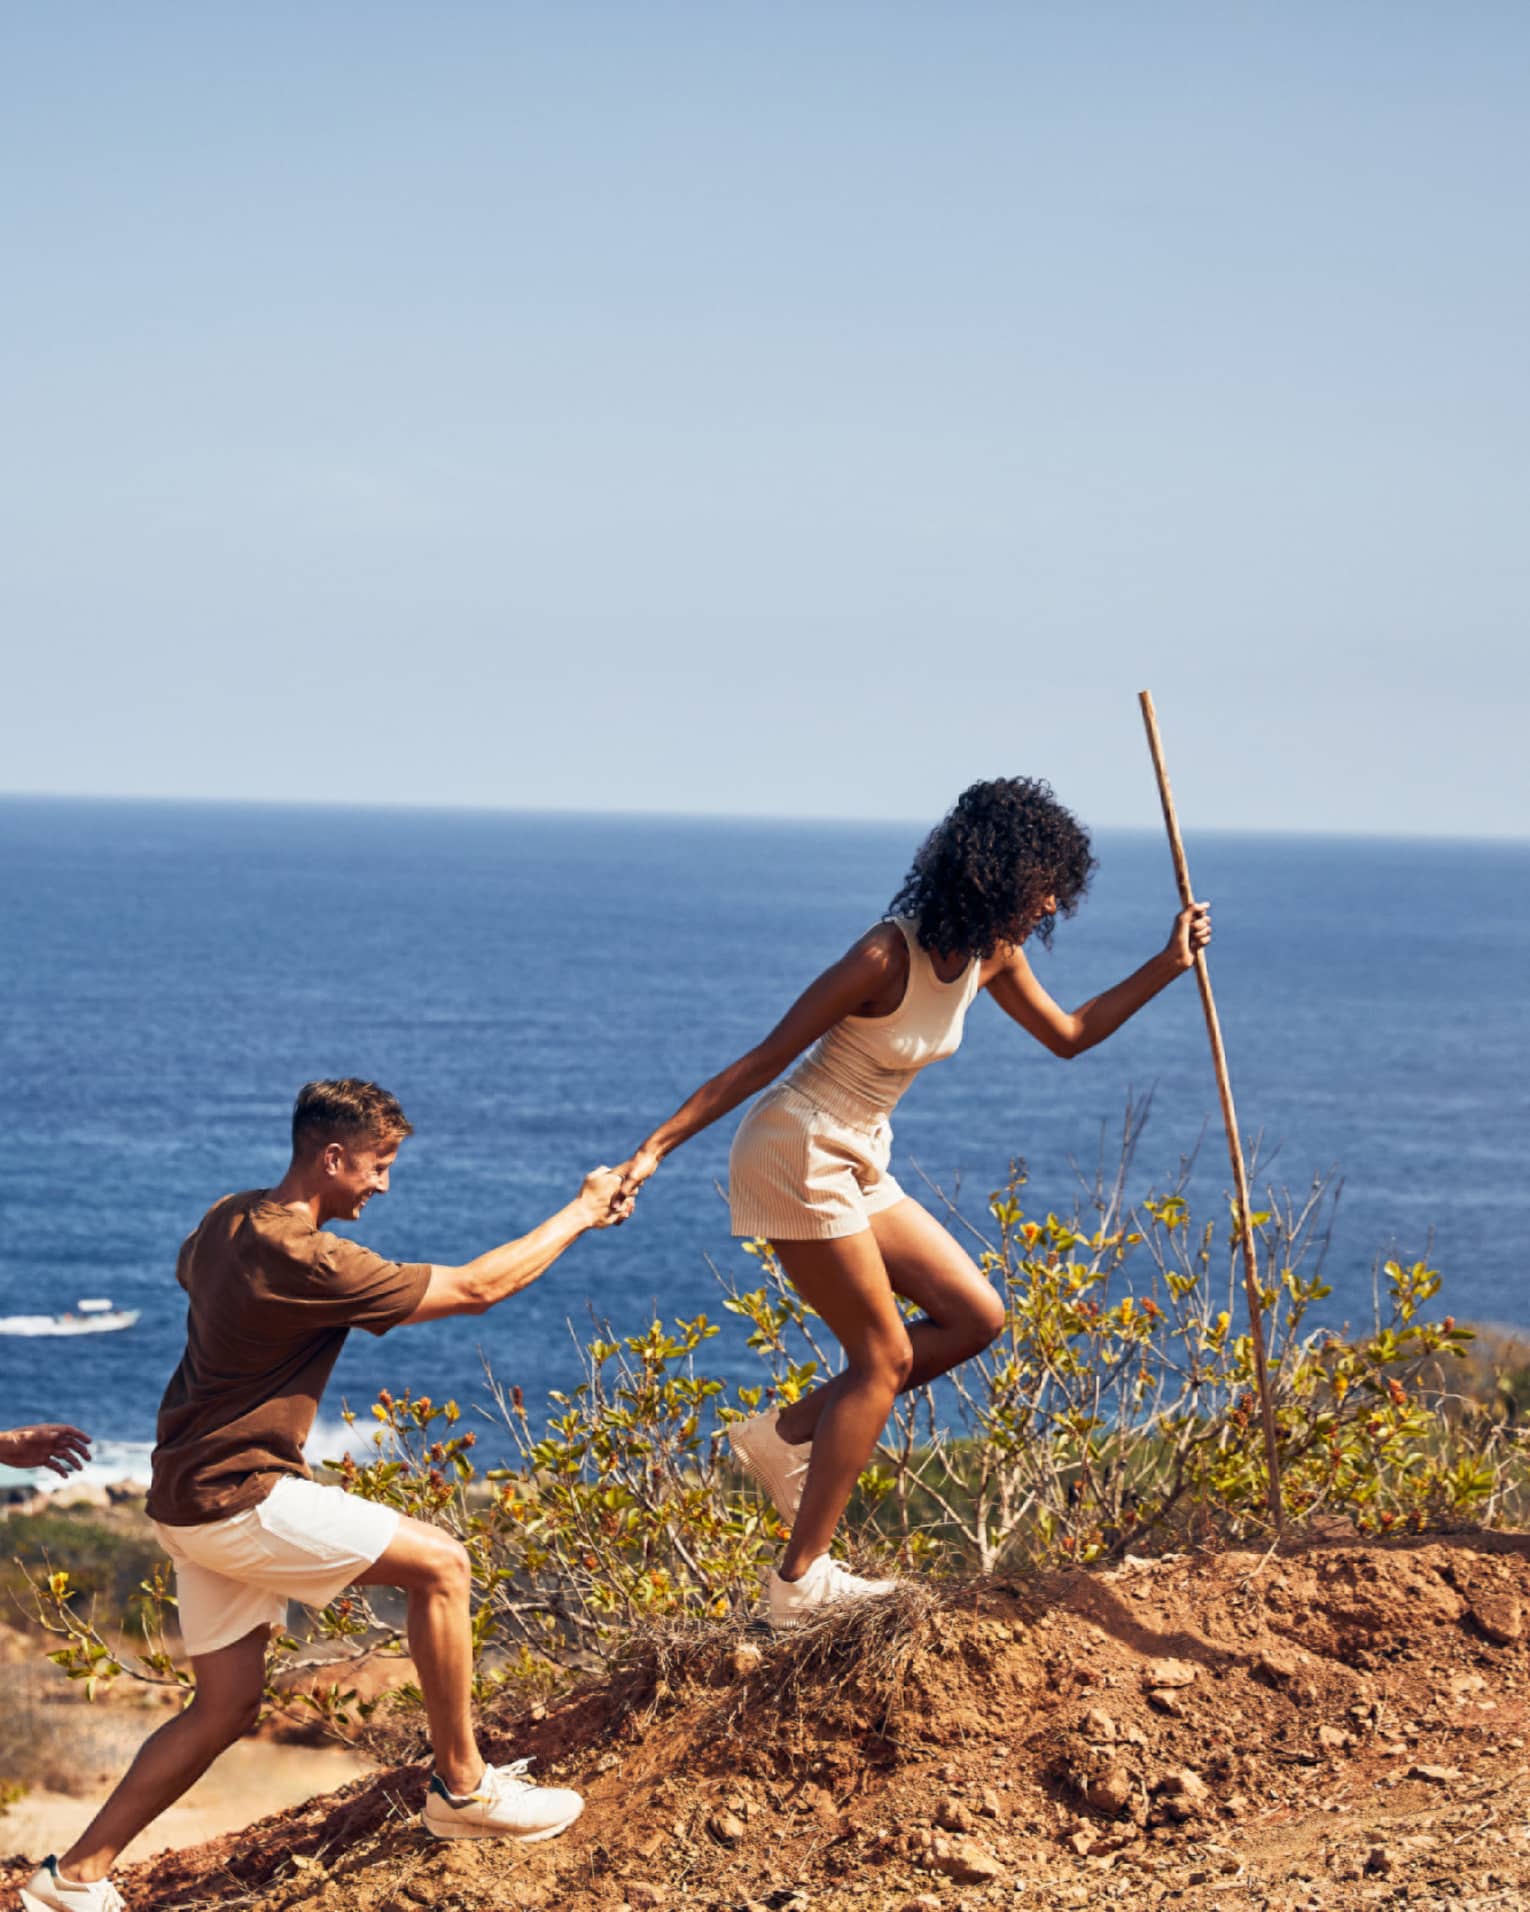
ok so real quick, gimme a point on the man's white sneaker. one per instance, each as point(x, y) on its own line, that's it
point(505, 1806)
point(46, 1891)
point(825, 1583)
point(779, 1467)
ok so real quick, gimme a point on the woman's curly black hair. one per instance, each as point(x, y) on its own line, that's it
point(980, 876)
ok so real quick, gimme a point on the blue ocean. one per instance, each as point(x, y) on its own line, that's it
point(539, 990)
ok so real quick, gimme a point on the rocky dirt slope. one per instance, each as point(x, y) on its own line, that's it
point(1336, 1727)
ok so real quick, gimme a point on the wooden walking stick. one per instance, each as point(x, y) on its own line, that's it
point(1229, 1116)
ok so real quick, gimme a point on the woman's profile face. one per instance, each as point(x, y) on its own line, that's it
point(1043, 906)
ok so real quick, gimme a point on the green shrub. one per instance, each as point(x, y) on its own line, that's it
point(107, 1560)
point(1114, 1412)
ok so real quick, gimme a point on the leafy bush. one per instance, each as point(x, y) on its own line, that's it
point(1114, 1412)
point(1118, 1402)
point(108, 1557)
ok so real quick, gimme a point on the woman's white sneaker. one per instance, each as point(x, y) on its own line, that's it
point(505, 1806)
point(780, 1468)
point(824, 1584)
point(47, 1891)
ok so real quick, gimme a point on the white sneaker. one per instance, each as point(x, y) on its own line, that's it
point(45, 1891)
point(505, 1806)
point(780, 1468)
point(824, 1583)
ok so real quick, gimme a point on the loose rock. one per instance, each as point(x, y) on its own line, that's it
point(1179, 1795)
point(1181, 1782)
point(1170, 1673)
point(1098, 1727)
point(954, 1816)
point(1276, 1667)
point(1109, 1791)
point(1498, 1617)
point(965, 1861)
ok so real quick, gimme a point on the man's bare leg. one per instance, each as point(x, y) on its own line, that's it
point(434, 1571)
point(225, 1705)
point(432, 1568)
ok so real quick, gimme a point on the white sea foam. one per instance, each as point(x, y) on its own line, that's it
point(109, 1463)
point(332, 1439)
point(112, 1462)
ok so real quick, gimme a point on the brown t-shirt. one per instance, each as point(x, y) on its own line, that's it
point(272, 1299)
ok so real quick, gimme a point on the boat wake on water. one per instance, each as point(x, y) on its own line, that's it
point(86, 1317)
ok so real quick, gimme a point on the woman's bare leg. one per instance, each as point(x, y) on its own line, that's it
point(925, 1264)
point(846, 1282)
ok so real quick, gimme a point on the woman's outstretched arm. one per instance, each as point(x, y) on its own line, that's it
point(1069, 1033)
point(868, 980)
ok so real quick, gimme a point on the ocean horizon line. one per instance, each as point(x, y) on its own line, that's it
point(1503, 840)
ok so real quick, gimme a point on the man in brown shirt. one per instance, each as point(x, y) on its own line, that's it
point(271, 1297)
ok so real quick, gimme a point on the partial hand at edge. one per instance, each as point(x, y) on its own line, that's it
point(56, 1445)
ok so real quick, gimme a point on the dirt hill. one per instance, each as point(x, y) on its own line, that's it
point(1337, 1727)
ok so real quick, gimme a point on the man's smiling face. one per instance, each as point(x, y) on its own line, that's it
point(354, 1173)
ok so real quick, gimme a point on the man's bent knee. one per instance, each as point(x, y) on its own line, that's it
point(450, 1571)
point(420, 1559)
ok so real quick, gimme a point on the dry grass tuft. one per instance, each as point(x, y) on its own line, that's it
point(860, 1649)
point(857, 1653)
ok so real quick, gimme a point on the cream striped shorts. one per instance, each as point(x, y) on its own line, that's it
point(799, 1171)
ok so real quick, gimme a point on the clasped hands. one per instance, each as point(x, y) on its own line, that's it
point(610, 1194)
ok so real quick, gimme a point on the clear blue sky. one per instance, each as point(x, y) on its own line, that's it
point(791, 409)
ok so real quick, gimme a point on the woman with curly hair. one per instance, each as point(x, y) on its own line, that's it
point(809, 1166)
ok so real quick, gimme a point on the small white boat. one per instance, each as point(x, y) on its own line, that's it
point(94, 1316)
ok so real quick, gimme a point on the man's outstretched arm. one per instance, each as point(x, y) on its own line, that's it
point(479, 1283)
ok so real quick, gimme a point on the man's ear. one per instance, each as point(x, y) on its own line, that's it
point(332, 1158)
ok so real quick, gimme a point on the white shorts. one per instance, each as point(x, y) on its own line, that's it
point(302, 1542)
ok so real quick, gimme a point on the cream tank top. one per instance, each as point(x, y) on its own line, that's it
point(860, 1067)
